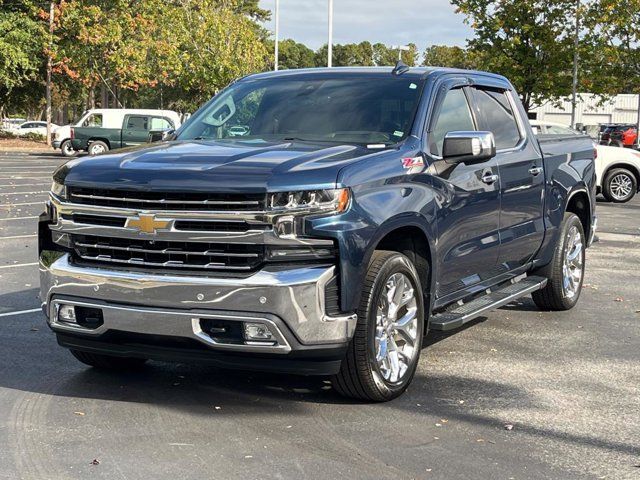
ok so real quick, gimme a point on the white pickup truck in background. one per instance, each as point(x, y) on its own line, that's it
point(617, 169)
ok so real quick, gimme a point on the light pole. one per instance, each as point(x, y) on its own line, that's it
point(574, 84)
point(277, 32)
point(400, 48)
point(330, 41)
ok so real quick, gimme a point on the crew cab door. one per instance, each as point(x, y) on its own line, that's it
point(135, 130)
point(469, 210)
point(521, 176)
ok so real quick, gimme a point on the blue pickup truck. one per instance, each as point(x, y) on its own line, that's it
point(317, 222)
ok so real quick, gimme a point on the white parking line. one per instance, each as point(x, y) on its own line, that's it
point(18, 236)
point(20, 312)
point(24, 193)
point(19, 265)
point(24, 184)
point(21, 204)
point(16, 218)
point(22, 177)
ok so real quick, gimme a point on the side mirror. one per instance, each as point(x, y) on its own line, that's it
point(160, 135)
point(468, 147)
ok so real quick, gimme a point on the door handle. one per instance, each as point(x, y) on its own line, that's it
point(535, 171)
point(489, 178)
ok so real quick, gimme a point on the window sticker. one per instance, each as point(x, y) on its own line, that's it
point(398, 133)
point(413, 86)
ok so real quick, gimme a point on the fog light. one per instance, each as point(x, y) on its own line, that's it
point(258, 332)
point(66, 313)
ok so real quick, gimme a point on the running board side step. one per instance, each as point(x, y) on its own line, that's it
point(458, 315)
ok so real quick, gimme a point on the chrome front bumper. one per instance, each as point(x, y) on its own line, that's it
point(291, 302)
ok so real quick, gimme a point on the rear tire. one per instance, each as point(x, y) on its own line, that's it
point(382, 357)
point(98, 147)
point(565, 273)
point(619, 185)
point(66, 148)
point(108, 362)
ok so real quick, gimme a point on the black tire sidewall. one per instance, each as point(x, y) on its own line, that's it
point(397, 263)
point(570, 221)
point(607, 185)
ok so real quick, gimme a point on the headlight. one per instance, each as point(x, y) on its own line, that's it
point(310, 201)
point(59, 190)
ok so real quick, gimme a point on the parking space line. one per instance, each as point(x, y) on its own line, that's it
point(24, 193)
point(21, 204)
point(18, 236)
point(20, 312)
point(24, 185)
point(16, 218)
point(19, 265)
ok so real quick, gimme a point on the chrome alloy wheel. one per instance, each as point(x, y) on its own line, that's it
point(621, 186)
point(396, 336)
point(97, 149)
point(573, 263)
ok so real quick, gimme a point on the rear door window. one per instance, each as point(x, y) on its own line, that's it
point(160, 123)
point(496, 116)
point(454, 116)
point(138, 123)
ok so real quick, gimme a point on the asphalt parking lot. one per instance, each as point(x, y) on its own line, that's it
point(567, 383)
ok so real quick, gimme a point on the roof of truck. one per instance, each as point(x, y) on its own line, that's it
point(412, 72)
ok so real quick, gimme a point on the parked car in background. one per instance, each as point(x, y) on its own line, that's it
point(36, 126)
point(620, 135)
point(9, 124)
point(551, 128)
point(317, 222)
point(101, 130)
point(617, 169)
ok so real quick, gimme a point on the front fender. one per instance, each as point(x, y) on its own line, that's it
point(377, 209)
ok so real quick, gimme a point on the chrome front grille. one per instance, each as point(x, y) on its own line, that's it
point(168, 200)
point(168, 255)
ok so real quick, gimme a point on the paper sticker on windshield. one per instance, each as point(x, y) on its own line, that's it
point(412, 162)
point(398, 133)
point(413, 86)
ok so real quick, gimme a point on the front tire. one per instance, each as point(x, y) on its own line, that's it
point(565, 273)
point(620, 185)
point(108, 362)
point(382, 357)
point(98, 147)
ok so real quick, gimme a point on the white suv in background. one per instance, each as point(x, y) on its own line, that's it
point(617, 169)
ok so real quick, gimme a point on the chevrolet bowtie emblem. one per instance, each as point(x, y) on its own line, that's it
point(146, 223)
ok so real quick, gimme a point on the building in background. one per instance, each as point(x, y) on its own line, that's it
point(590, 111)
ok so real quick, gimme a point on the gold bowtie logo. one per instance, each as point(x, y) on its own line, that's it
point(146, 223)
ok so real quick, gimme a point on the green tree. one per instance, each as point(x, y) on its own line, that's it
point(292, 54)
point(531, 43)
point(446, 56)
point(613, 43)
point(22, 40)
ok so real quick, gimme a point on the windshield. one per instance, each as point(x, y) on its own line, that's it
point(361, 109)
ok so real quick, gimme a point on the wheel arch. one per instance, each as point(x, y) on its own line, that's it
point(410, 239)
point(578, 202)
point(99, 139)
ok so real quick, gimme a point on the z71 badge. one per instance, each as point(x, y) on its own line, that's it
point(412, 162)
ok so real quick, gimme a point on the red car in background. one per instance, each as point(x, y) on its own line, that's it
point(621, 135)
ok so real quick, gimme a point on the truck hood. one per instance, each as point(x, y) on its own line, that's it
point(223, 166)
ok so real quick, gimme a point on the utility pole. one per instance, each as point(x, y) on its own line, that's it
point(330, 42)
point(49, 68)
point(277, 32)
point(574, 85)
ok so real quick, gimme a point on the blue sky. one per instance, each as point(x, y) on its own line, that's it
point(423, 22)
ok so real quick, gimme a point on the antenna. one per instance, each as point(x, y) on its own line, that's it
point(400, 68)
